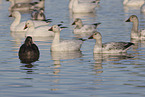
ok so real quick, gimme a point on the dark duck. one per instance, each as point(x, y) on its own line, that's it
point(28, 51)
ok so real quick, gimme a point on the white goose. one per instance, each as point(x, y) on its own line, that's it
point(65, 45)
point(133, 2)
point(142, 9)
point(135, 33)
point(91, 1)
point(81, 28)
point(25, 6)
point(41, 31)
point(19, 26)
point(111, 47)
point(83, 7)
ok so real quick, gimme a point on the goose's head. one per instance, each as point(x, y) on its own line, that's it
point(28, 41)
point(54, 28)
point(96, 35)
point(29, 24)
point(132, 18)
point(77, 21)
point(42, 10)
point(15, 14)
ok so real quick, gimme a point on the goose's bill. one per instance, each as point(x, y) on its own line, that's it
point(127, 20)
point(91, 37)
point(73, 23)
point(10, 15)
point(25, 27)
point(51, 29)
point(63, 27)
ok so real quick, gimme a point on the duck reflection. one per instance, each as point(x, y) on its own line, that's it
point(28, 68)
point(57, 56)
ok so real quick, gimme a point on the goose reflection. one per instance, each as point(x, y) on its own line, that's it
point(90, 17)
point(113, 58)
point(98, 63)
point(57, 56)
point(20, 36)
point(130, 9)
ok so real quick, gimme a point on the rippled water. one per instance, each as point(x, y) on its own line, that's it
point(80, 74)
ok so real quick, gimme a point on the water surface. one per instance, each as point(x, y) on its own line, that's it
point(82, 73)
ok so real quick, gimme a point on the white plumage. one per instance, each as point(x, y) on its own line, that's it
point(19, 26)
point(63, 45)
point(81, 28)
point(111, 47)
point(135, 32)
point(133, 2)
point(82, 7)
point(41, 31)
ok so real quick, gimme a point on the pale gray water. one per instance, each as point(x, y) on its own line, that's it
point(75, 74)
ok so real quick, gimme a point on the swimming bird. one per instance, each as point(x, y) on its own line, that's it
point(28, 52)
point(83, 7)
point(19, 26)
point(111, 47)
point(91, 1)
point(41, 31)
point(63, 45)
point(83, 28)
point(38, 14)
point(142, 8)
point(15, 6)
point(133, 2)
point(135, 33)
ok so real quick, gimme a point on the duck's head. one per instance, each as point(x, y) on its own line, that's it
point(96, 35)
point(29, 24)
point(28, 40)
point(132, 18)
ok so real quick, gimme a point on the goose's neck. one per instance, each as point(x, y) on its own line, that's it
point(56, 39)
point(79, 25)
point(75, 3)
point(12, 4)
point(17, 20)
point(98, 46)
point(125, 1)
point(134, 31)
point(71, 4)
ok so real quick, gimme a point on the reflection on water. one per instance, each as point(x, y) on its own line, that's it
point(65, 55)
point(28, 68)
point(58, 56)
point(112, 58)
